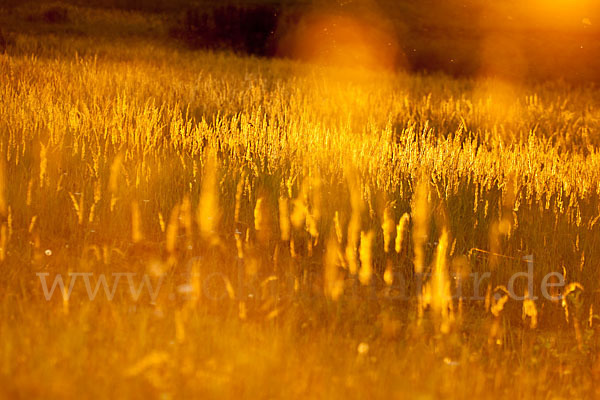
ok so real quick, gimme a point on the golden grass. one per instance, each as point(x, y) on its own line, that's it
point(268, 198)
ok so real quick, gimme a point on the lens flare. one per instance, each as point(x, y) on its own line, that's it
point(344, 41)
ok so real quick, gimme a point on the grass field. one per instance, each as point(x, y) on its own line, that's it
point(214, 225)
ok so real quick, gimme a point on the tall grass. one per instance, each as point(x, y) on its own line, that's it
point(321, 199)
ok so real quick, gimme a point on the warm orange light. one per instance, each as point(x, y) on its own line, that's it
point(340, 40)
point(502, 57)
point(559, 13)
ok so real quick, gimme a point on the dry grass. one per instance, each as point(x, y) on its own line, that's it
point(284, 207)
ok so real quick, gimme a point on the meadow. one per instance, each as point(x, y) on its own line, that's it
point(216, 225)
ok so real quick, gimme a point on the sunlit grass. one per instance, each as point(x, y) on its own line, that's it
point(284, 208)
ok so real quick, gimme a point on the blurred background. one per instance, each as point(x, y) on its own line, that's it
point(512, 39)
